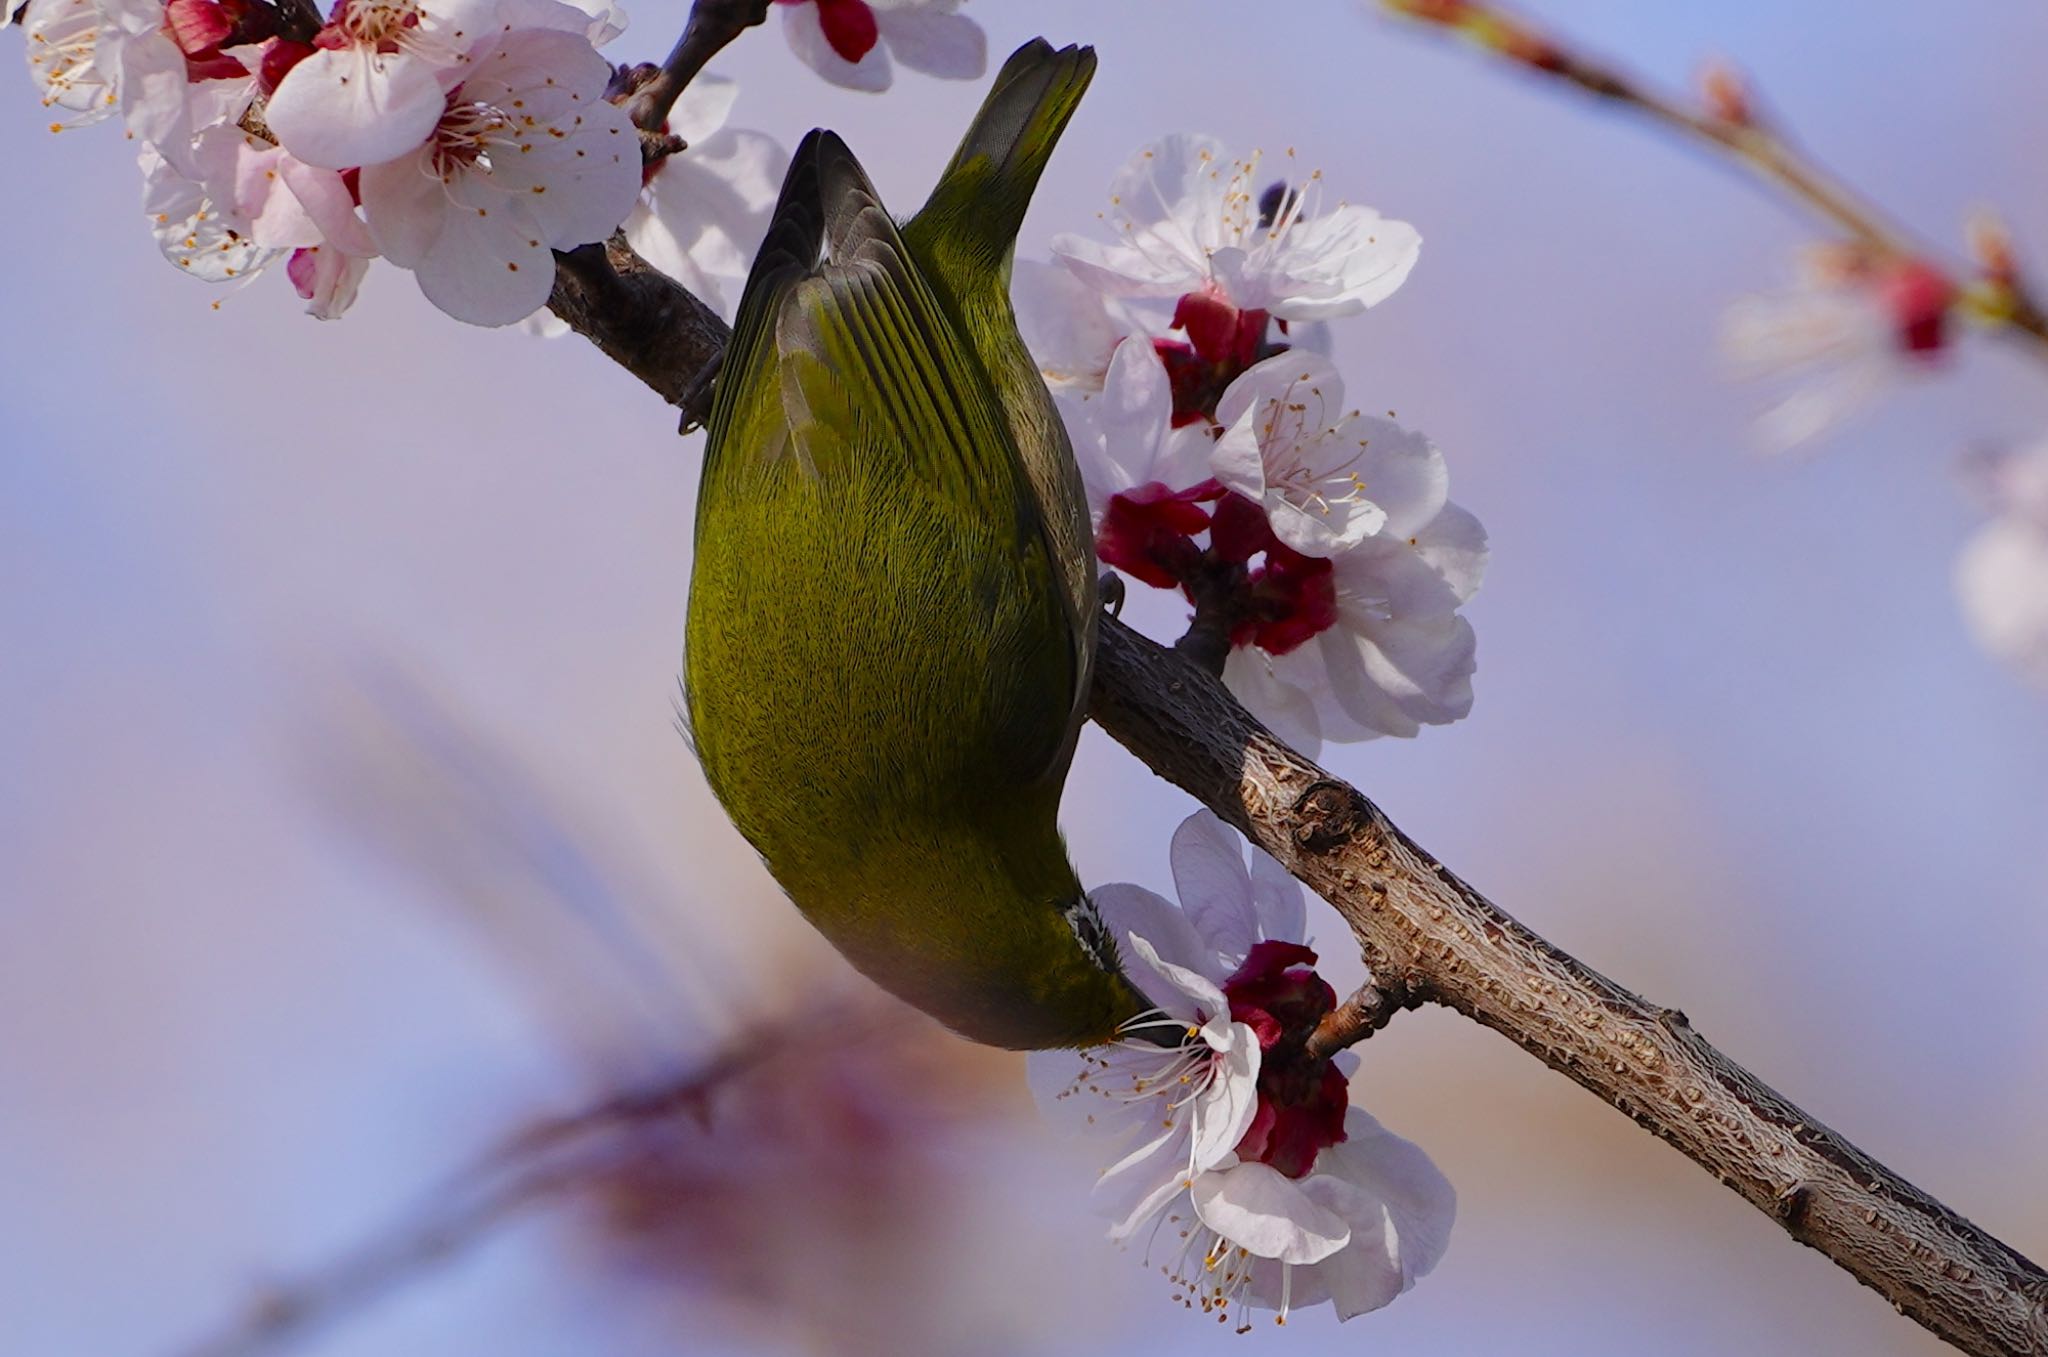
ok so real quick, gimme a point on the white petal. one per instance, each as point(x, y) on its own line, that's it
point(1215, 889)
point(1180, 991)
point(405, 208)
point(1278, 898)
point(1420, 1204)
point(1066, 324)
point(1124, 271)
point(340, 108)
point(1236, 458)
point(935, 42)
point(1453, 545)
point(488, 269)
point(1224, 1111)
point(806, 35)
point(704, 106)
point(1285, 708)
point(1401, 471)
point(1257, 1208)
point(1400, 673)
point(2001, 580)
point(1342, 262)
point(706, 211)
point(326, 199)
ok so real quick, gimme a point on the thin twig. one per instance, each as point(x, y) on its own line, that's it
point(713, 24)
point(2015, 308)
point(1371, 1007)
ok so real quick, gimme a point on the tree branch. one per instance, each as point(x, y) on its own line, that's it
point(640, 317)
point(1423, 930)
point(1428, 936)
point(713, 24)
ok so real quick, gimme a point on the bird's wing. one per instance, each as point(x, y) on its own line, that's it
point(869, 365)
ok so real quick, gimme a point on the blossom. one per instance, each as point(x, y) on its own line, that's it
point(705, 208)
point(1235, 1145)
point(1145, 480)
point(2001, 578)
point(1070, 328)
point(526, 158)
point(196, 232)
point(1324, 475)
point(67, 62)
point(1368, 641)
point(1196, 224)
point(1854, 322)
point(377, 81)
point(852, 42)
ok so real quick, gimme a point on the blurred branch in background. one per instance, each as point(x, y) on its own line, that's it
point(779, 1151)
point(1728, 118)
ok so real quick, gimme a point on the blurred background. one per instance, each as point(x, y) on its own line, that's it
point(345, 832)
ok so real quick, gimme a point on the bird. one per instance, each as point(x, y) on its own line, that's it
point(893, 599)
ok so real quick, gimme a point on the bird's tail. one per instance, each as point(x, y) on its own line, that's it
point(982, 196)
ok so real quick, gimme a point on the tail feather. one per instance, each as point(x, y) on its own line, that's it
point(984, 191)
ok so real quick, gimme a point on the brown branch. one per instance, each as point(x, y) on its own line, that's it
point(712, 24)
point(641, 318)
point(1746, 140)
point(1421, 928)
point(1428, 936)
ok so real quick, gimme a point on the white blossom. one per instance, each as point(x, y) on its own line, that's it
point(1253, 1185)
point(855, 43)
point(71, 68)
point(704, 212)
point(1388, 653)
point(2001, 577)
point(1325, 476)
point(1852, 325)
point(1123, 434)
point(203, 236)
point(1070, 328)
point(1191, 219)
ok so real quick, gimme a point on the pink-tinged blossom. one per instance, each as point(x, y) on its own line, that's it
point(526, 158)
point(705, 209)
point(1242, 1171)
point(1853, 324)
point(377, 81)
point(856, 43)
point(1196, 224)
point(2001, 578)
point(327, 277)
point(169, 97)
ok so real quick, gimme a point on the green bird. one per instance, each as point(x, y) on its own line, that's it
point(892, 609)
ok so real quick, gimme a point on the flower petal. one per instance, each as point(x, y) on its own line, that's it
point(806, 34)
point(935, 42)
point(1257, 1208)
point(1215, 889)
point(350, 106)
